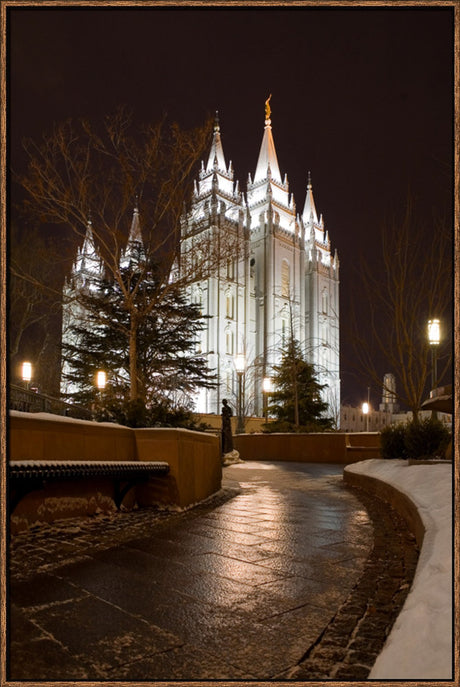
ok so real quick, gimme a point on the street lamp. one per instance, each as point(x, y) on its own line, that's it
point(266, 389)
point(366, 413)
point(240, 365)
point(434, 338)
point(26, 373)
point(101, 380)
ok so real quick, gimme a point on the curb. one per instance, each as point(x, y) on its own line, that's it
point(399, 501)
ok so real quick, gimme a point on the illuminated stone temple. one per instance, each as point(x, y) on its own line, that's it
point(278, 276)
point(271, 275)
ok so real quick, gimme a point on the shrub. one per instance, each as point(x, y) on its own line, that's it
point(426, 438)
point(393, 442)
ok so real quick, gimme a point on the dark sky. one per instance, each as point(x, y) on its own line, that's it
point(361, 97)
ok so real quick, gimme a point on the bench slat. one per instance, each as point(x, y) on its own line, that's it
point(28, 475)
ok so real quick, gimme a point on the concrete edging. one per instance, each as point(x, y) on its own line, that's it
point(391, 495)
point(420, 645)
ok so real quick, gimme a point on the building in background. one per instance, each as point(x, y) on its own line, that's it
point(354, 419)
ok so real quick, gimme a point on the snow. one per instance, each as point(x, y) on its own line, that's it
point(420, 643)
point(61, 418)
point(231, 458)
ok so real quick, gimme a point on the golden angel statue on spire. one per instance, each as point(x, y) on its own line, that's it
point(267, 107)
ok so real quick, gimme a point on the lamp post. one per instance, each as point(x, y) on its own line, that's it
point(266, 389)
point(101, 381)
point(240, 365)
point(26, 373)
point(434, 338)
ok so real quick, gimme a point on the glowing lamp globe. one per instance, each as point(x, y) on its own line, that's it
point(26, 372)
point(266, 385)
point(434, 332)
point(240, 363)
point(101, 379)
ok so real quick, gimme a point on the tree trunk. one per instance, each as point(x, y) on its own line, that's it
point(133, 379)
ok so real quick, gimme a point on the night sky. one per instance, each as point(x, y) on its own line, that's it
point(361, 97)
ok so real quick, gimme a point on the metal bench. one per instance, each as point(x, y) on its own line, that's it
point(28, 475)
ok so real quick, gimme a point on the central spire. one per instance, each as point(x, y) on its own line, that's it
point(268, 161)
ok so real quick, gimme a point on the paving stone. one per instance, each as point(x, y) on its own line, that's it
point(374, 594)
point(50, 662)
point(290, 574)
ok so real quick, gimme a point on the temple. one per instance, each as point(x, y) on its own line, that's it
point(275, 277)
point(264, 273)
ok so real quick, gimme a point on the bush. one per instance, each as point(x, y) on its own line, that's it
point(426, 439)
point(137, 414)
point(423, 439)
point(393, 444)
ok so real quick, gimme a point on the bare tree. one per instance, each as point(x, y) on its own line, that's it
point(34, 299)
point(412, 284)
point(101, 171)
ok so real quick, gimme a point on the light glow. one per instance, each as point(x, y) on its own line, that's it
point(240, 363)
point(26, 372)
point(365, 408)
point(434, 332)
point(267, 385)
point(101, 380)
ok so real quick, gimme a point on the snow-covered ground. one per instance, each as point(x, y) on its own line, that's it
point(420, 646)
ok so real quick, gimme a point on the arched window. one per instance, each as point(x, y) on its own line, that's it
point(197, 297)
point(283, 330)
point(325, 301)
point(230, 268)
point(285, 279)
point(228, 381)
point(229, 305)
point(229, 345)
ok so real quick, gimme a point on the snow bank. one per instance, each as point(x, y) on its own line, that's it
point(419, 646)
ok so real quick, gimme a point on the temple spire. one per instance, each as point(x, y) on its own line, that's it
point(267, 155)
point(135, 236)
point(135, 232)
point(309, 212)
point(216, 154)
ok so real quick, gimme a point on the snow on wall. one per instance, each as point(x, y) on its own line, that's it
point(420, 646)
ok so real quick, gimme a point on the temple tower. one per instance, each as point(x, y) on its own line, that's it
point(214, 256)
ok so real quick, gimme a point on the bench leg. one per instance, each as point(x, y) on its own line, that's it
point(120, 492)
point(18, 492)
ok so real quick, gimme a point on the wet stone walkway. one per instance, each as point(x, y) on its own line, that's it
point(286, 574)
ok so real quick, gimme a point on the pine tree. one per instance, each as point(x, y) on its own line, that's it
point(296, 401)
point(165, 328)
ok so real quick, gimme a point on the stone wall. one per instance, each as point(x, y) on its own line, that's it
point(325, 447)
point(194, 460)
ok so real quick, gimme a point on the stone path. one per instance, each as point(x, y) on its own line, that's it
point(285, 575)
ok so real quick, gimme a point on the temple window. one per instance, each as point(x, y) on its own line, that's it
point(285, 279)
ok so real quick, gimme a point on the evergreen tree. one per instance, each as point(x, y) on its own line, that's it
point(296, 401)
point(160, 328)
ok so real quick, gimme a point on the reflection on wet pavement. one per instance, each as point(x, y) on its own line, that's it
point(240, 590)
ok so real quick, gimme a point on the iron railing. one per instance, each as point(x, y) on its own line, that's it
point(29, 401)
